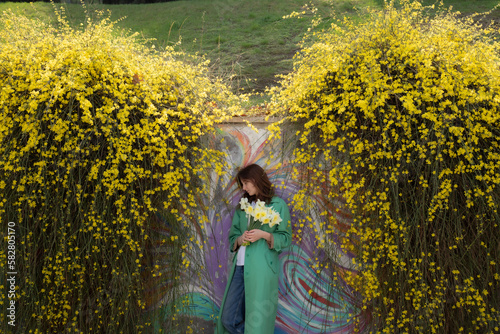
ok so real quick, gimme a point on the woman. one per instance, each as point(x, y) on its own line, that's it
point(251, 298)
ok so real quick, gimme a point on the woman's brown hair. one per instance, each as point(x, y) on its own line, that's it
point(259, 178)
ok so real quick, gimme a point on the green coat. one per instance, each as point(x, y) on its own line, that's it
point(261, 270)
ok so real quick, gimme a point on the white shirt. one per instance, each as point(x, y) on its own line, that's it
point(240, 257)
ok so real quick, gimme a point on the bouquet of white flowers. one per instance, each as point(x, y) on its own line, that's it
point(260, 213)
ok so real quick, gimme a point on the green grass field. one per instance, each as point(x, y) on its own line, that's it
point(247, 42)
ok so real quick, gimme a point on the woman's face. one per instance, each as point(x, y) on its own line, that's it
point(249, 187)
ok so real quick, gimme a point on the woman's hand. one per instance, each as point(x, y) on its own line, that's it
point(256, 234)
point(243, 239)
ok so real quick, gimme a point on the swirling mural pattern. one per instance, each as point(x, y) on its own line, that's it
point(310, 300)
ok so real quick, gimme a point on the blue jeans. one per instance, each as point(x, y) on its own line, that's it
point(233, 314)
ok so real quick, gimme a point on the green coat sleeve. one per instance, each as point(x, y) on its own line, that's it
point(283, 233)
point(236, 229)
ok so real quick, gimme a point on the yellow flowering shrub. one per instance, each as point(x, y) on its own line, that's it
point(98, 133)
point(400, 117)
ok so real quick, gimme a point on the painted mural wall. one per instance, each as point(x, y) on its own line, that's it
point(313, 298)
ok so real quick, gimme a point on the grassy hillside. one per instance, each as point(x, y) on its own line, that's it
point(247, 41)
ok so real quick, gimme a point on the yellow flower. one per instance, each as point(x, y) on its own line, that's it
point(259, 213)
